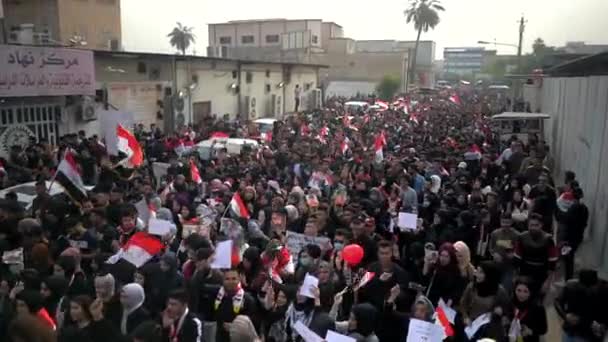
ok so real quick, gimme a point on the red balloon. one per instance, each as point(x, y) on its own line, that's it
point(352, 254)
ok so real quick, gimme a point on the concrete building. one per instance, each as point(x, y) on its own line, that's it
point(582, 48)
point(167, 90)
point(363, 63)
point(465, 60)
point(64, 22)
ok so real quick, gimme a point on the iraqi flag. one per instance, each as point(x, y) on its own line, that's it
point(474, 153)
point(238, 207)
point(127, 143)
point(367, 277)
point(379, 144)
point(140, 248)
point(442, 320)
point(194, 174)
point(455, 99)
point(218, 135)
point(414, 118)
point(383, 105)
point(2, 169)
point(344, 145)
point(68, 175)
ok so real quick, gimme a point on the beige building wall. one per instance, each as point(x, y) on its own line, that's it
point(97, 21)
point(42, 13)
point(300, 75)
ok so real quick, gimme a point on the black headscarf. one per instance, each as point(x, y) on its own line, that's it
point(489, 286)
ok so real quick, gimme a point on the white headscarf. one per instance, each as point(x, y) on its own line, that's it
point(135, 297)
point(435, 184)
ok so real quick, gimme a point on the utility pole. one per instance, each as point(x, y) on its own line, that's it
point(522, 26)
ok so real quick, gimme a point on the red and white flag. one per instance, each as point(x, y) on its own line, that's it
point(68, 175)
point(379, 144)
point(238, 207)
point(324, 131)
point(414, 118)
point(140, 248)
point(383, 105)
point(455, 99)
point(2, 169)
point(367, 277)
point(194, 174)
point(344, 145)
point(152, 211)
point(218, 135)
point(127, 143)
point(442, 319)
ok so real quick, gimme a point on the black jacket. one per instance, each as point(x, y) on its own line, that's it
point(136, 318)
point(190, 331)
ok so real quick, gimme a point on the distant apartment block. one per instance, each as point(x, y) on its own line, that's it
point(93, 24)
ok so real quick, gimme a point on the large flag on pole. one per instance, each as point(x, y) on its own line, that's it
point(127, 143)
point(68, 175)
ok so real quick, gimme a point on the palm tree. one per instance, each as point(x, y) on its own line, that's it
point(182, 37)
point(424, 15)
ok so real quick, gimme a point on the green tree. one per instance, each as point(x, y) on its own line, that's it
point(388, 86)
point(424, 14)
point(181, 38)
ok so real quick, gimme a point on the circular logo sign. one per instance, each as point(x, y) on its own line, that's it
point(15, 135)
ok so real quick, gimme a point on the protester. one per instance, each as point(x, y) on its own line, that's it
point(393, 214)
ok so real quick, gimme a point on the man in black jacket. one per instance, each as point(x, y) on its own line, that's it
point(576, 219)
point(231, 301)
point(179, 323)
point(387, 275)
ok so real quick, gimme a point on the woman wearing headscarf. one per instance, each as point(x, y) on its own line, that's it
point(105, 287)
point(307, 310)
point(253, 276)
point(463, 255)
point(53, 290)
point(528, 317)
point(486, 295)
point(442, 276)
point(132, 298)
point(161, 278)
point(361, 323)
point(327, 285)
point(276, 301)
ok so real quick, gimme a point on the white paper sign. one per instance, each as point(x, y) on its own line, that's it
point(14, 257)
point(407, 221)
point(449, 312)
point(333, 336)
point(223, 255)
point(160, 227)
point(421, 331)
point(306, 334)
point(479, 322)
point(309, 283)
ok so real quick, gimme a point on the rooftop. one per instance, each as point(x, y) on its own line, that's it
point(584, 66)
point(253, 21)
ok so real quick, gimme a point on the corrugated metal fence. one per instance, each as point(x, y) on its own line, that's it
point(578, 136)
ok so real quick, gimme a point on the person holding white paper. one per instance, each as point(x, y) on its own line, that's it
point(308, 312)
point(361, 324)
point(484, 295)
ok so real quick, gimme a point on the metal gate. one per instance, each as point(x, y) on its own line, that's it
point(19, 122)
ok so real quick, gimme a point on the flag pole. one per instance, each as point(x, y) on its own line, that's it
point(55, 175)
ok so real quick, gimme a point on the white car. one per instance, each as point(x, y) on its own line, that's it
point(26, 192)
point(207, 148)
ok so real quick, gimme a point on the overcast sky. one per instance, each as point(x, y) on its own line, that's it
point(147, 22)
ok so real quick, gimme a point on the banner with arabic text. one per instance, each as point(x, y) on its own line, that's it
point(45, 71)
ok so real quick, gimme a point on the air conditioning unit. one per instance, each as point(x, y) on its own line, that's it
point(86, 110)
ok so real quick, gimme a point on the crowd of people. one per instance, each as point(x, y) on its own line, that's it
point(316, 216)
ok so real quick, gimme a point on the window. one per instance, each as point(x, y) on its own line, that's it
point(248, 77)
point(225, 40)
point(272, 38)
point(247, 39)
point(315, 39)
point(267, 73)
point(267, 87)
point(234, 74)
